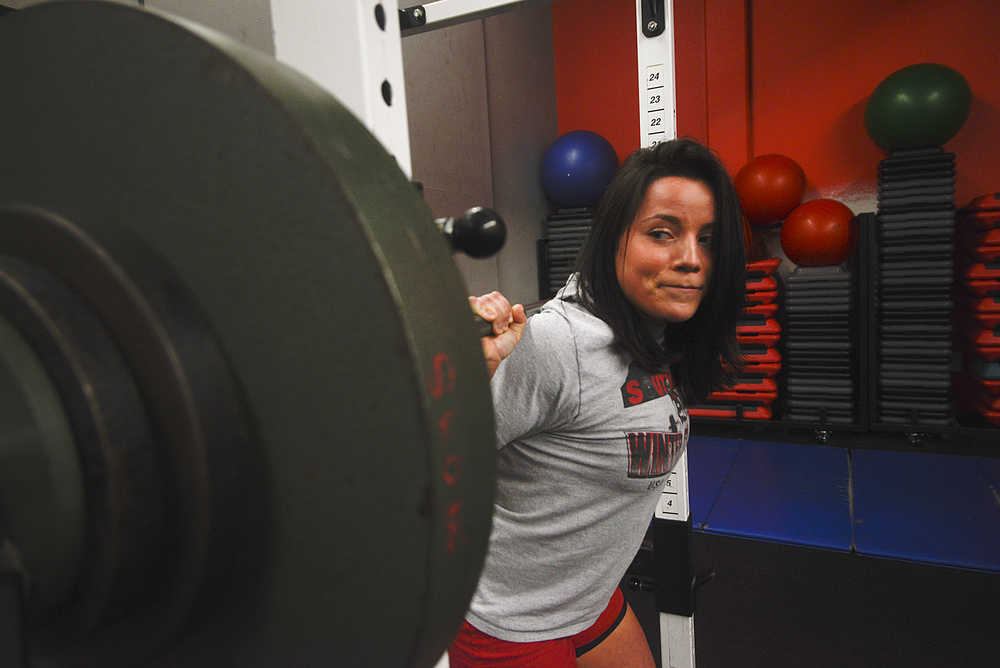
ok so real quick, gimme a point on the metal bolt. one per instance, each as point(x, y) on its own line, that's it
point(418, 13)
point(652, 25)
point(822, 435)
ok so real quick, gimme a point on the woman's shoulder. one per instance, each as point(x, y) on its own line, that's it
point(569, 317)
point(550, 328)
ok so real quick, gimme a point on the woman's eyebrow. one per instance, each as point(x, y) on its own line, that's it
point(666, 217)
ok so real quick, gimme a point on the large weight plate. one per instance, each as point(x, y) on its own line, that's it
point(327, 288)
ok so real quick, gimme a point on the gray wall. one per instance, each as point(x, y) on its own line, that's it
point(246, 21)
point(481, 104)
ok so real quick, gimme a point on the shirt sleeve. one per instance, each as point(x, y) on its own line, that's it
point(537, 388)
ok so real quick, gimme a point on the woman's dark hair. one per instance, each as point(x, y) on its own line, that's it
point(702, 353)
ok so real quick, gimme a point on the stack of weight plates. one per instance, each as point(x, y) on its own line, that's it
point(820, 379)
point(565, 230)
point(759, 334)
point(915, 274)
point(977, 306)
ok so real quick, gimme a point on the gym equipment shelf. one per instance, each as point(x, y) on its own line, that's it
point(966, 434)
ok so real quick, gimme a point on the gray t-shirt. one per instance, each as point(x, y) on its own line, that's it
point(586, 439)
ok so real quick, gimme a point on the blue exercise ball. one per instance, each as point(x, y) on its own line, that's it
point(577, 168)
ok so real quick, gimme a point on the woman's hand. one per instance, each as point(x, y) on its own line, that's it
point(508, 325)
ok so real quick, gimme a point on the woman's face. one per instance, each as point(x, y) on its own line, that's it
point(664, 260)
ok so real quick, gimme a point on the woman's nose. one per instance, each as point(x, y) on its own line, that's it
point(690, 258)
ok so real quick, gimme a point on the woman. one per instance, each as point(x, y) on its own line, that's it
point(591, 415)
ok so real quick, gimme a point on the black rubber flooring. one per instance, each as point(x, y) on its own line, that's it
point(778, 605)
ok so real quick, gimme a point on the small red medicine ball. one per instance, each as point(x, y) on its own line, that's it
point(818, 233)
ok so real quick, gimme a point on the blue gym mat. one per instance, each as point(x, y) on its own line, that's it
point(782, 492)
point(709, 461)
point(941, 509)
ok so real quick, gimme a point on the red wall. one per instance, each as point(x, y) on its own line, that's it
point(772, 76)
point(596, 69)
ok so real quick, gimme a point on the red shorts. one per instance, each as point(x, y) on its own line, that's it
point(473, 648)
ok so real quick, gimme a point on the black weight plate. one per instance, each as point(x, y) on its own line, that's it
point(945, 186)
point(909, 292)
point(903, 309)
point(796, 281)
point(801, 340)
point(838, 311)
point(930, 157)
point(840, 380)
point(812, 337)
point(833, 418)
point(943, 236)
point(831, 403)
point(928, 266)
point(822, 389)
point(915, 277)
point(900, 406)
point(920, 252)
point(819, 346)
point(813, 361)
point(899, 220)
point(916, 349)
point(893, 320)
point(804, 329)
point(929, 201)
point(923, 330)
point(836, 374)
point(337, 306)
point(817, 294)
point(928, 396)
point(930, 182)
point(937, 370)
point(921, 420)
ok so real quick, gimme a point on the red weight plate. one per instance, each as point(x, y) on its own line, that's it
point(760, 297)
point(983, 288)
point(988, 201)
point(746, 384)
point(766, 310)
point(979, 271)
point(765, 398)
point(761, 326)
point(769, 356)
point(761, 283)
point(726, 411)
point(978, 237)
point(982, 338)
point(764, 370)
point(976, 303)
point(982, 220)
point(758, 339)
point(979, 251)
point(993, 417)
point(764, 267)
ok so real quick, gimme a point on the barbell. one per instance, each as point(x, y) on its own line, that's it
point(248, 420)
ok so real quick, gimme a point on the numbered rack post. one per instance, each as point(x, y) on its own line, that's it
point(655, 48)
point(657, 123)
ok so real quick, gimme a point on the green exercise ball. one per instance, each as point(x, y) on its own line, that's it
point(918, 106)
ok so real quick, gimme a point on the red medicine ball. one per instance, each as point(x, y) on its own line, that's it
point(818, 233)
point(769, 187)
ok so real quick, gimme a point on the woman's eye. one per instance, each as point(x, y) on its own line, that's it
point(705, 240)
point(661, 234)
